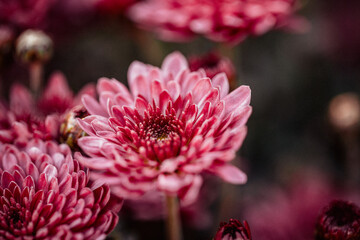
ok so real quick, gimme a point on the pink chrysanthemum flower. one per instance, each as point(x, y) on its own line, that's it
point(170, 127)
point(27, 118)
point(218, 20)
point(45, 194)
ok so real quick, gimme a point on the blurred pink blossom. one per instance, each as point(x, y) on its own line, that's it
point(45, 194)
point(24, 13)
point(169, 128)
point(219, 20)
point(27, 117)
point(292, 214)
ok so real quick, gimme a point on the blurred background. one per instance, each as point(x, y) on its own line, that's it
point(302, 148)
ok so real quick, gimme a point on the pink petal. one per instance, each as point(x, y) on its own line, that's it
point(231, 174)
point(174, 63)
point(58, 86)
point(221, 81)
point(239, 97)
point(92, 106)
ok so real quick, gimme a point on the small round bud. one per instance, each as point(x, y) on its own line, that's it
point(344, 111)
point(34, 46)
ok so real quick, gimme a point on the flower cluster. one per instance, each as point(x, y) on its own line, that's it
point(45, 194)
point(26, 118)
point(169, 128)
point(218, 20)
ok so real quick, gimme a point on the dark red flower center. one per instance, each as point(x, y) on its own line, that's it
point(340, 221)
point(156, 136)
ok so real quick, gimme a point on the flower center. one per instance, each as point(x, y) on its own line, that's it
point(155, 136)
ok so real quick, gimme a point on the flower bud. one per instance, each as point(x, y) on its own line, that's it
point(34, 46)
point(344, 111)
point(70, 131)
point(339, 221)
point(233, 230)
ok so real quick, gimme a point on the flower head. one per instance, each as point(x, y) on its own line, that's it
point(28, 118)
point(233, 230)
point(218, 20)
point(173, 125)
point(339, 221)
point(45, 194)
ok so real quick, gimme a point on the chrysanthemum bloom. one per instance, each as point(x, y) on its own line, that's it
point(218, 20)
point(233, 230)
point(45, 194)
point(27, 118)
point(173, 125)
point(213, 64)
point(23, 13)
point(339, 221)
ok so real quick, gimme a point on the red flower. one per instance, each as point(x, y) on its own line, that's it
point(172, 126)
point(233, 230)
point(45, 194)
point(339, 221)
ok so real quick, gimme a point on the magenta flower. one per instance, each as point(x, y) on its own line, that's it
point(173, 125)
point(218, 20)
point(233, 230)
point(339, 221)
point(45, 194)
point(27, 118)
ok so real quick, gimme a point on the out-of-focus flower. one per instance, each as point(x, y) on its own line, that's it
point(173, 125)
point(339, 221)
point(344, 111)
point(218, 20)
point(213, 64)
point(27, 118)
point(114, 6)
point(45, 194)
point(233, 230)
point(295, 210)
point(24, 13)
point(34, 46)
